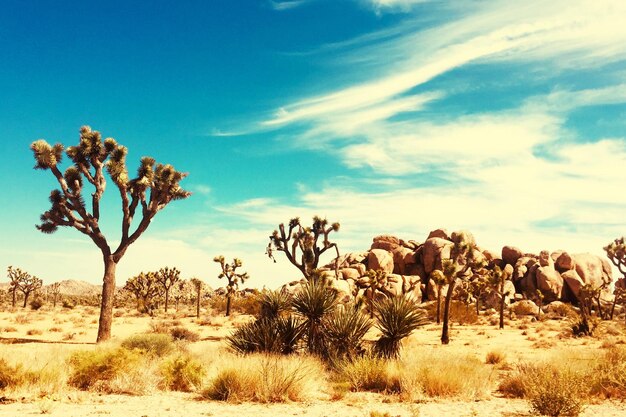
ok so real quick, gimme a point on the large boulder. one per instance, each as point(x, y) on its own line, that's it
point(510, 254)
point(565, 262)
point(492, 299)
point(380, 259)
point(545, 259)
point(386, 242)
point(592, 269)
point(344, 290)
point(350, 273)
point(440, 233)
point(433, 250)
point(573, 282)
point(400, 257)
point(463, 236)
point(550, 283)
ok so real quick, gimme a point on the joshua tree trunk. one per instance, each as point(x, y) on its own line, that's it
point(438, 304)
point(445, 337)
point(108, 292)
point(502, 311)
point(167, 298)
point(26, 294)
point(477, 306)
point(198, 303)
point(228, 300)
point(14, 301)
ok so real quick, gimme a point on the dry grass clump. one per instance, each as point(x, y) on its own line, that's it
point(371, 373)
point(113, 370)
point(610, 374)
point(34, 332)
point(182, 333)
point(45, 373)
point(9, 329)
point(495, 357)
point(182, 373)
point(22, 319)
point(266, 379)
point(157, 344)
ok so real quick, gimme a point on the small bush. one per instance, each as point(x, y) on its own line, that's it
point(495, 357)
point(610, 374)
point(181, 333)
point(370, 373)
point(266, 379)
point(68, 304)
point(36, 304)
point(55, 329)
point(156, 344)
point(9, 329)
point(34, 332)
point(457, 376)
point(95, 370)
point(182, 373)
point(9, 375)
point(22, 319)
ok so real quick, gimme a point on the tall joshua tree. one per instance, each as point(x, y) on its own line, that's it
point(463, 258)
point(234, 278)
point(15, 276)
point(497, 279)
point(154, 187)
point(300, 243)
point(55, 290)
point(197, 285)
point(24, 282)
point(145, 288)
point(167, 278)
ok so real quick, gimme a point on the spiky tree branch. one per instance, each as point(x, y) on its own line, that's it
point(616, 252)
point(300, 243)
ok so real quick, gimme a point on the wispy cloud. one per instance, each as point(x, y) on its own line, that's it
point(286, 5)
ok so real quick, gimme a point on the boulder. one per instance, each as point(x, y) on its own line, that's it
point(433, 250)
point(350, 273)
point(463, 236)
point(550, 283)
point(565, 262)
point(385, 242)
point(592, 269)
point(440, 233)
point(343, 289)
point(400, 255)
point(492, 299)
point(394, 285)
point(510, 254)
point(573, 281)
point(491, 255)
point(545, 259)
point(361, 268)
point(525, 308)
point(380, 259)
point(416, 269)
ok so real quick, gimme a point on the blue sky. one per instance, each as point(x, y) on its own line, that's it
point(389, 116)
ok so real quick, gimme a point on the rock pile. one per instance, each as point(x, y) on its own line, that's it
point(407, 266)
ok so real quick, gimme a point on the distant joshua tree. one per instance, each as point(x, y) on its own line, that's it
point(497, 279)
point(234, 278)
point(155, 186)
point(145, 287)
point(24, 282)
point(616, 252)
point(197, 284)
point(300, 243)
point(55, 290)
point(167, 278)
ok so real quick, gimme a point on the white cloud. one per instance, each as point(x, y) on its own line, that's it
point(287, 5)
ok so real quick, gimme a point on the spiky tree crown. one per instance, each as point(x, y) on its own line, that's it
point(616, 252)
point(152, 189)
point(229, 271)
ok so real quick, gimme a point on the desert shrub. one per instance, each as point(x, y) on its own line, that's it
point(157, 344)
point(553, 389)
point(524, 309)
point(273, 304)
point(370, 373)
point(265, 378)
point(609, 375)
point(182, 333)
point(584, 326)
point(36, 304)
point(247, 304)
point(94, 370)
point(69, 304)
point(160, 327)
point(344, 330)
point(396, 318)
point(182, 373)
point(313, 303)
point(34, 332)
point(281, 335)
point(9, 329)
point(450, 376)
point(9, 375)
point(55, 329)
point(22, 319)
point(495, 357)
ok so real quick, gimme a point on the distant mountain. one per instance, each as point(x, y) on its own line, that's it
point(81, 288)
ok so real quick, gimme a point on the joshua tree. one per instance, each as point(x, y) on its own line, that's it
point(167, 278)
point(300, 243)
point(55, 290)
point(462, 259)
point(234, 278)
point(181, 290)
point(146, 288)
point(197, 284)
point(376, 282)
point(22, 281)
point(497, 279)
point(440, 280)
point(616, 252)
point(155, 186)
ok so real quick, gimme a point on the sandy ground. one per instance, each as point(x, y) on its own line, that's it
point(521, 340)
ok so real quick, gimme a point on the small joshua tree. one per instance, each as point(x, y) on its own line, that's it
point(154, 187)
point(440, 280)
point(197, 285)
point(300, 243)
point(462, 259)
point(234, 278)
point(167, 278)
point(376, 282)
point(497, 279)
point(55, 290)
point(145, 288)
point(24, 282)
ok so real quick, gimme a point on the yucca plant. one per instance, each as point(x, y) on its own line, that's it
point(313, 303)
point(396, 318)
point(257, 336)
point(274, 303)
point(344, 330)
